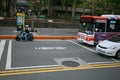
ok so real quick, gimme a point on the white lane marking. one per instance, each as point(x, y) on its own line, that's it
point(42, 66)
point(8, 62)
point(115, 60)
point(2, 45)
point(82, 46)
point(50, 48)
point(101, 62)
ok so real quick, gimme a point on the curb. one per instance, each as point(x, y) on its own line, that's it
point(41, 37)
point(7, 37)
point(55, 37)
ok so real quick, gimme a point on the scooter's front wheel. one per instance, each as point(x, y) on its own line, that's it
point(30, 37)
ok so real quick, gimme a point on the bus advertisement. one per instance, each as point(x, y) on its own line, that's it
point(94, 29)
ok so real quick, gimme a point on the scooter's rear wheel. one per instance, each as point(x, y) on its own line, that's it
point(17, 39)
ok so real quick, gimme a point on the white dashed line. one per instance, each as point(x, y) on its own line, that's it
point(101, 62)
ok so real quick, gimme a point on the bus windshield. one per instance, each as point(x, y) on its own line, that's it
point(86, 28)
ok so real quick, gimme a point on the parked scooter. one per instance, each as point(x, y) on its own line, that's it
point(25, 35)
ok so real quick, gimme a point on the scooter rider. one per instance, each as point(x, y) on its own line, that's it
point(26, 32)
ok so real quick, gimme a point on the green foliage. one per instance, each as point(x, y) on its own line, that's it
point(38, 5)
point(93, 7)
point(98, 7)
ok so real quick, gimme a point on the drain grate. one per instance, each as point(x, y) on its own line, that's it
point(70, 63)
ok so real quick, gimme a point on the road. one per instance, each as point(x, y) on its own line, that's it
point(41, 31)
point(54, 60)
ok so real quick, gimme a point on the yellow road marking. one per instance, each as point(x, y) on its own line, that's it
point(56, 69)
point(106, 65)
point(28, 71)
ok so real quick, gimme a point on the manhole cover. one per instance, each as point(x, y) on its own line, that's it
point(70, 63)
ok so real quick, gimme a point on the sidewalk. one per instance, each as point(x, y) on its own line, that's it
point(56, 23)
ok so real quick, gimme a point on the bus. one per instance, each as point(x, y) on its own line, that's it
point(94, 29)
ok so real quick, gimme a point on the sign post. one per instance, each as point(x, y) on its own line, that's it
point(20, 21)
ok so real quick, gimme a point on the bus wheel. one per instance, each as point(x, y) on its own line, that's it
point(118, 55)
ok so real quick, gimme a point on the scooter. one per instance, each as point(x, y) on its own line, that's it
point(23, 35)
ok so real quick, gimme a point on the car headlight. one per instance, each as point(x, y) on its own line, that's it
point(112, 47)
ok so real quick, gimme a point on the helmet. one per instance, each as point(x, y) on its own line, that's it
point(27, 26)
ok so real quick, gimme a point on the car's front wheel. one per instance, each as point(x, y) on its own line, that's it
point(118, 54)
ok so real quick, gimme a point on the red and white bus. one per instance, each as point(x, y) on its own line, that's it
point(94, 29)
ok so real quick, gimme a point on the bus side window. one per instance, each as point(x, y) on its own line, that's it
point(112, 26)
point(100, 27)
point(96, 29)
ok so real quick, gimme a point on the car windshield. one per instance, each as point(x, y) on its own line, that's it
point(115, 38)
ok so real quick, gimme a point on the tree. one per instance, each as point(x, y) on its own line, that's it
point(63, 3)
point(50, 7)
point(67, 4)
point(37, 7)
point(64, 6)
point(2, 7)
point(99, 7)
point(84, 5)
point(8, 7)
point(114, 6)
point(73, 8)
point(75, 4)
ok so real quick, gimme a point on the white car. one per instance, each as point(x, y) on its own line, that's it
point(110, 47)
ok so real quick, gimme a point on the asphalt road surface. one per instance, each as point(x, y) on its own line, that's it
point(53, 59)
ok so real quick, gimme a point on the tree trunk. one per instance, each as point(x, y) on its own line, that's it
point(73, 8)
point(8, 7)
point(50, 8)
